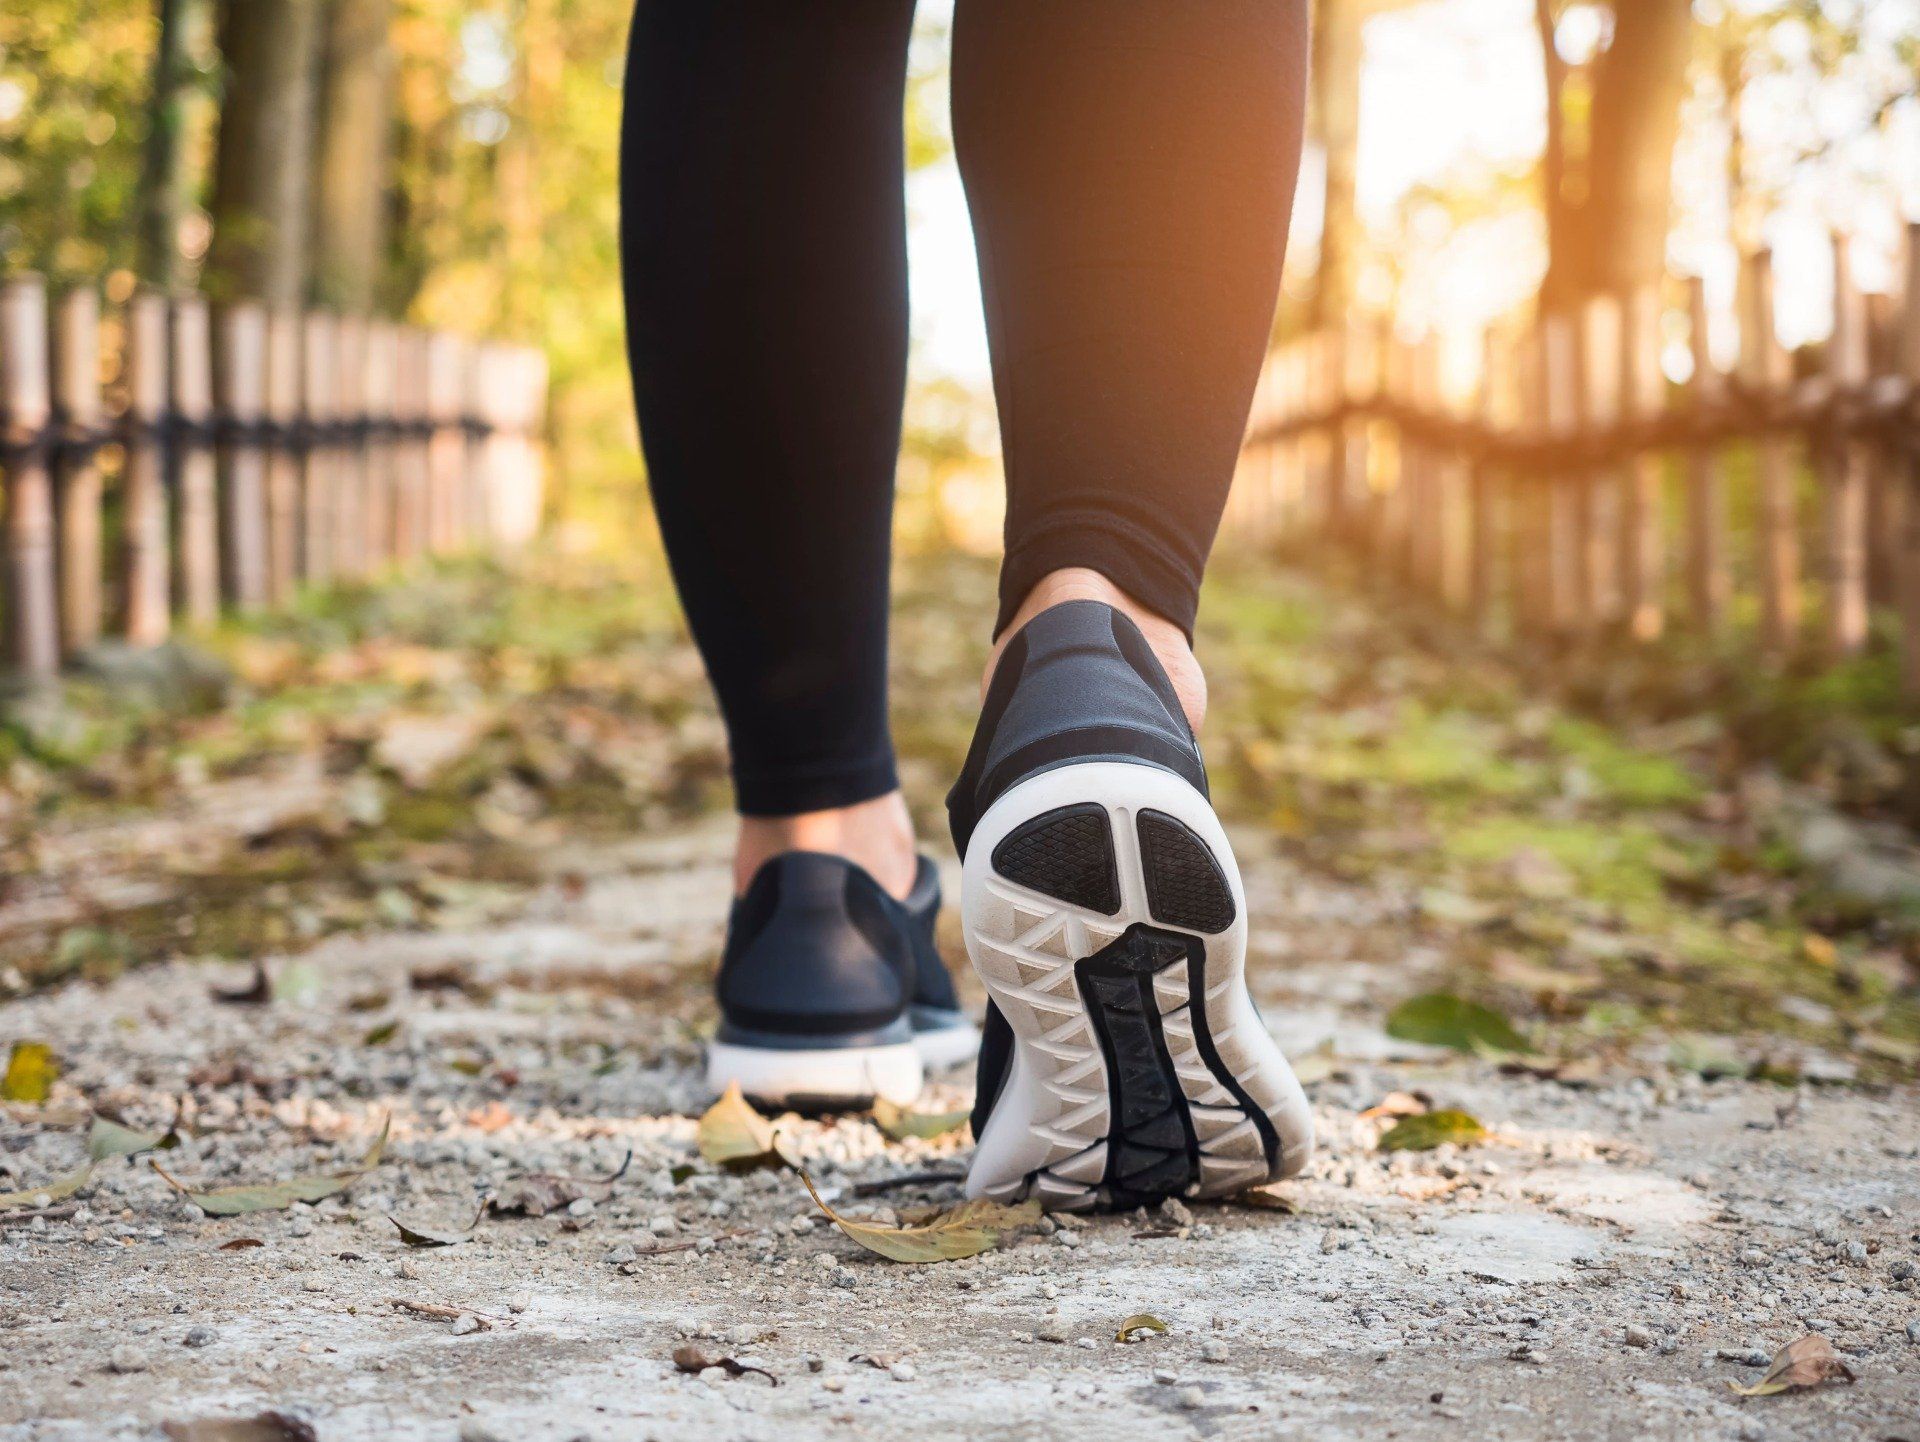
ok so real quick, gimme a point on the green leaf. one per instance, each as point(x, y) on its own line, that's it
point(964, 1231)
point(1431, 1129)
point(902, 1124)
point(1138, 1323)
point(108, 1138)
point(30, 1073)
point(382, 1034)
point(277, 1196)
point(1438, 1019)
point(735, 1136)
point(49, 1194)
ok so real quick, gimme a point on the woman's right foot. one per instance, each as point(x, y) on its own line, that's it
point(1101, 902)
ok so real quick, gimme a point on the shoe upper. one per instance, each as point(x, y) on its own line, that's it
point(1077, 683)
point(818, 954)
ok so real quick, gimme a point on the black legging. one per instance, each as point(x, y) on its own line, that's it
point(1129, 165)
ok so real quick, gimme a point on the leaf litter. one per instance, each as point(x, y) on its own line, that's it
point(1424, 1131)
point(1808, 1362)
point(947, 1236)
point(735, 1136)
point(276, 1196)
point(30, 1074)
point(695, 1359)
point(539, 1193)
point(904, 1124)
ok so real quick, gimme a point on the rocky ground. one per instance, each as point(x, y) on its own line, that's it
point(477, 939)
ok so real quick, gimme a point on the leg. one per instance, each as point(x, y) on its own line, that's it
point(1130, 166)
point(763, 241)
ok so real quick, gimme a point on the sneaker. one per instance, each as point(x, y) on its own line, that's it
point(1100, 902)
point(830, 989)
point(942, 1031)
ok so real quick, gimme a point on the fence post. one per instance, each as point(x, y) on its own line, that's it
point(1483, 520)
point(197, 516)
point(76, 399)
point(410, 464)
point(284, 353)
point(382, 376)
point(349, 478)
point(1909, 569)
point(1845, 465)
point(446, 448)
point(1708, 582)
point(26, 412)
point(1601, 329)
point(318, 378)
point(1565, 585)
point(1643, 547)
point(240, 386)
point(1425, 547)
point(144, 489)
point(1767, 371)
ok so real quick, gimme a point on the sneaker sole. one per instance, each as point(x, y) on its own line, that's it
point(1099, 901)
point(823, 1079)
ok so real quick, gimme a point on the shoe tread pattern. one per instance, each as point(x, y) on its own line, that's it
point(1185, 886)
point(1066, 854)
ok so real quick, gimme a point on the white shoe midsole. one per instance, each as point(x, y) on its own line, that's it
point(894, 1071)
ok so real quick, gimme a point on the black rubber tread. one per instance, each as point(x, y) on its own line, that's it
point(1066, 853)
point(1185, 885)
point(1210, 1054)
point(1151, 1149)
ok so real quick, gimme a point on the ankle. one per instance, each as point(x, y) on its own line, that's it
point(1168, 641)
point(875, 835)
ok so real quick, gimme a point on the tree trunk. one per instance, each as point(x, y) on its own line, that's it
point(163, 172)
point(353, 162)
point(1638, 86)
point(1336, 111)
point(265, 162)
point(1563, 232)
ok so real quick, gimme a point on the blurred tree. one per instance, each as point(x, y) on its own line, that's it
point(353, 154)
point(264, 172)
point(165, 175)
point(1336, 126)
point(1608, 169)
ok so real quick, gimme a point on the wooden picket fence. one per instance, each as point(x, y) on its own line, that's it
point(238, 455)
point(1576, 498)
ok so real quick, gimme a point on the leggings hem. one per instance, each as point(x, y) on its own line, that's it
point(814, 789)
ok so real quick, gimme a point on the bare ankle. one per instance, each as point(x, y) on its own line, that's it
point(875, 835)
point(1169, 642)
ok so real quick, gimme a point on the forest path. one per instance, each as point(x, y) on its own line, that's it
point(1713, 1148)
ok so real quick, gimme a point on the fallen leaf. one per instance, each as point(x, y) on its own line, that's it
point(1709, 1057)
point(263, 1427)
point(538, 1193)
point(435, 1311)
point(414, 1237)
point(276, 1196)
point(30, 1072)
point(1138, 1323)
point(1431, 1129)
point(50, 1193)
point(1805, 1363)
point(240, 1244)
point(109, 1138)
point(902, 1124)
point(963, 1231)
point(382, 1034)
point(1438, 1019)
point(1451, 906)
point(680, 1173)
point(1316, 1065)
point(1258, 1199)
point(1398, 1104)
point(879, 1361)
point(735, 1136)
point(694, 1359)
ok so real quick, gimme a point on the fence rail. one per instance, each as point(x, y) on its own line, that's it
point(169, 459)
point(1574, 496)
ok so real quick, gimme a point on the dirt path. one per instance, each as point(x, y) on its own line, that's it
point(1717, 1152)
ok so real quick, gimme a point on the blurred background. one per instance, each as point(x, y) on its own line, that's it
point(453, 162)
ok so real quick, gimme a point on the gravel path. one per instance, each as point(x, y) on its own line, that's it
point(1632, 1240)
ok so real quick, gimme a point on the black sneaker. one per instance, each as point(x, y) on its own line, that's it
point(1099, 899)
point(829, 988)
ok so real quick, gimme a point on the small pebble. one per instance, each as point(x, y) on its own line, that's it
point(580, 1207)
point(1165, 1376)
point(314, 1284)
point(833, 1382)
point(1192, 1398)
point(902, 1372)
point(625, 1252)
point(1637, 1336)
point(800, 1226)
point(199, 1337)
point(1913, 1330)
point(1054, 1329)
point(126, 1358)
point(519, 1302)
point(479, 1432)
point(465, 1324)
point(663, 1226)
point(1213, 1350)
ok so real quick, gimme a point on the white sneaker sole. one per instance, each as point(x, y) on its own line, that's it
point(1120, 1091)
point(830, 1077)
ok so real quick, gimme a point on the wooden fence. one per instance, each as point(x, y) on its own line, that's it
point(1575, 497)
point(237, 455)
